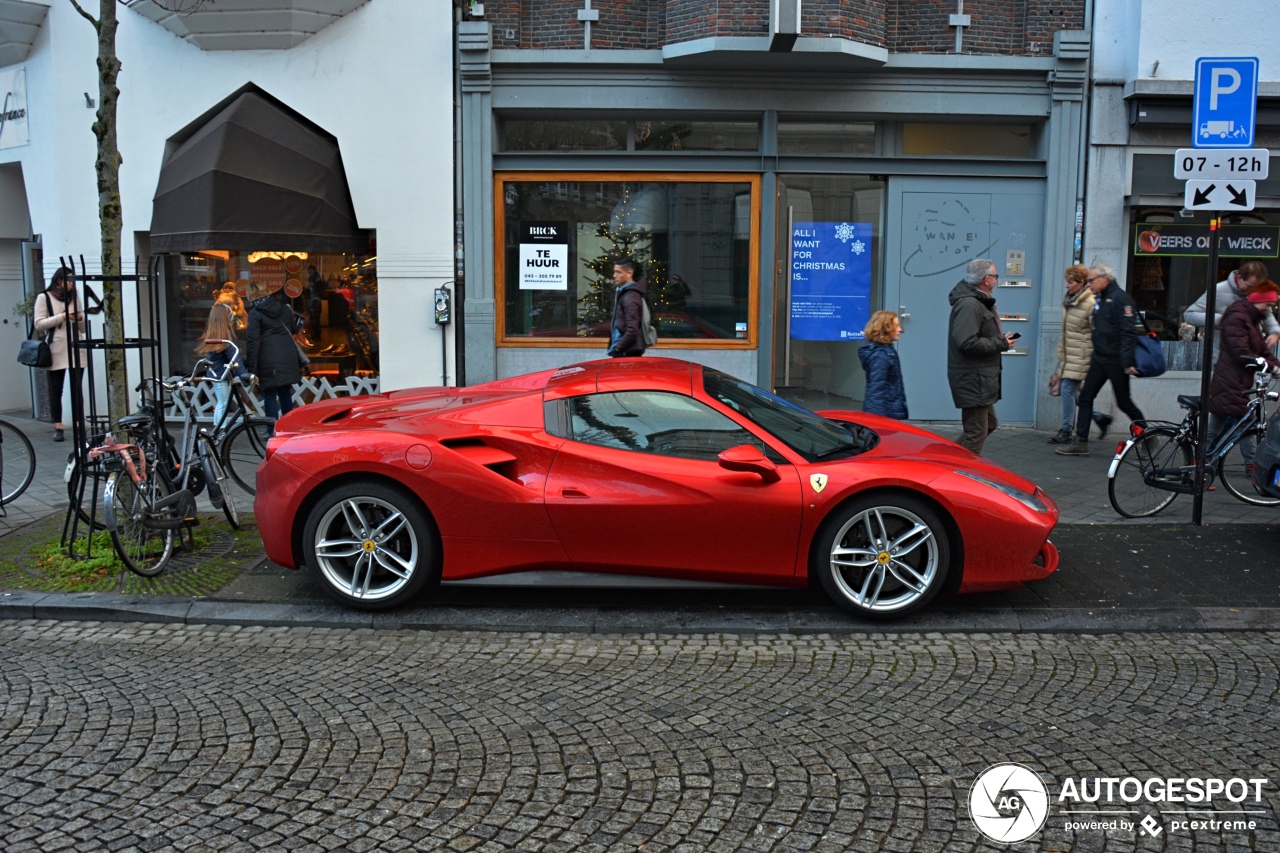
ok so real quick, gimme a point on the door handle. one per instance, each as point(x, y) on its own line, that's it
point(902, 312)
point(572, 493)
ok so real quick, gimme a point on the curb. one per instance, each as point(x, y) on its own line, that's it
point(105, 607)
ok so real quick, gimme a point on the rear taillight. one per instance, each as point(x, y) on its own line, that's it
point(1120, 447)
point(1136, 429)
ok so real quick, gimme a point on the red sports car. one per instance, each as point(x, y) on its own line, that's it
point(645, 466)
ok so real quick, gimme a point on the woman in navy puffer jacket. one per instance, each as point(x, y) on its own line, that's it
point(885, 394)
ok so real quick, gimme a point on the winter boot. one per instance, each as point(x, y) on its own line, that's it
point(1063, 437)
point(1075, 448)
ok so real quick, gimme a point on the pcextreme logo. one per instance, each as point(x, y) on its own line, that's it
point(1010, 802)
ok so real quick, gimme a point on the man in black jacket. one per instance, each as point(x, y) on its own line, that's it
point(627, 334)
point(974, 343)
point(1115, 338)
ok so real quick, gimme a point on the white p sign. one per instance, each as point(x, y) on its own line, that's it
point(1216, 87)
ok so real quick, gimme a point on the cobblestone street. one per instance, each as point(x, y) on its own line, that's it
point(149, 737)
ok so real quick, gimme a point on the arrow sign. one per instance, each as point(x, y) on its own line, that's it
point(1220, 195)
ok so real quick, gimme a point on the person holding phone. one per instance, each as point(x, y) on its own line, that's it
point(974, 344)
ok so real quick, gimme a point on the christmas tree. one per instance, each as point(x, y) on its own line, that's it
point(621, 240)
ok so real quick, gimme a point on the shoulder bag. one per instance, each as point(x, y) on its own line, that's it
point(35, 351)
point(304, 363)
point(1148, 356)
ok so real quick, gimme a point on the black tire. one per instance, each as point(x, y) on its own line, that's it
point(905, 553)
point(127, 506)
point(356, 568)
point(1158, 454)
point(243, 450)
point(17, 462)
point(1236, 478)
point(219, 484)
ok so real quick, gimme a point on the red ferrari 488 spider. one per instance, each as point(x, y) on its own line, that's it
point(645, 466)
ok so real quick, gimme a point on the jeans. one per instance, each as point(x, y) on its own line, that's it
point(1071, 399)
point(57, 378)
point(277, 401)
point(1248, 443)
point(222, 396)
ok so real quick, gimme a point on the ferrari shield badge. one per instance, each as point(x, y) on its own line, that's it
point(818, 481)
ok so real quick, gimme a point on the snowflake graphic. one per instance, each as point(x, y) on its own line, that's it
point(858, 247)
point(843, 232)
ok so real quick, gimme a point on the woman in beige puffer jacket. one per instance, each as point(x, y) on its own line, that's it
point(1075, 349)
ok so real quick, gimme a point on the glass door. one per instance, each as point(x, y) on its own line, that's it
point(830, 280)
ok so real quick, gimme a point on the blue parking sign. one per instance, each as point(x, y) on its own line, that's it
point(1226, 102)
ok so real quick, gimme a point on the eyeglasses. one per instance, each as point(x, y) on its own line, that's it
point(1093, 278)
point(991, 275)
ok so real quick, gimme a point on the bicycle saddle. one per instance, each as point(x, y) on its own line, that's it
point(1186, 401)
point(136, 419)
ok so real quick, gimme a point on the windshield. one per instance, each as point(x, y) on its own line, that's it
point(812, 436)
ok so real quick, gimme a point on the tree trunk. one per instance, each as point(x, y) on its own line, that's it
point(109, 211)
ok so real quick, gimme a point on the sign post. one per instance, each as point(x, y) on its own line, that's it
point(1224, 115)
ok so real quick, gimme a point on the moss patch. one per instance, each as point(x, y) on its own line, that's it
point(33, 558)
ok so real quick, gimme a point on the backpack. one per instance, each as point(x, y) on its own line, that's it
point(646, 324)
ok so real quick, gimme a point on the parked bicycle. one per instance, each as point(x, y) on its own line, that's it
point(1157, 462)
point(17, 462)
point(150, 493)
point(240, 434)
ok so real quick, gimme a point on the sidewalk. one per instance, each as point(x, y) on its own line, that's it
point(1116, 575)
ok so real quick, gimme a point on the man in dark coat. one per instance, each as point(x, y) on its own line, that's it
point(272, 354)
point(627, 336)
point(1240, 336)
point(974, 343)
point(1115, 339)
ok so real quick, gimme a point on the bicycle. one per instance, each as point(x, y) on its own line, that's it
point(150, 493)
point(17, 462)
point(1157, 462)
point(240, 436)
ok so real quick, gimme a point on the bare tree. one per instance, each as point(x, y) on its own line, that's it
point(107, 165)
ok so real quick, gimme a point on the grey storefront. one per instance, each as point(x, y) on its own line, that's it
point(724, 168)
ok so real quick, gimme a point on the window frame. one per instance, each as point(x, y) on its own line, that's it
point(500, 181)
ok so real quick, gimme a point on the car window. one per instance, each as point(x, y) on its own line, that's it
point(809, 434)
point(658, 422)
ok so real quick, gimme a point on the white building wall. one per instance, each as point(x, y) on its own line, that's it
point(378, 79)
point(1176, 32)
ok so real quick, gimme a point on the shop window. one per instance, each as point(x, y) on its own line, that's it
point(335, 294)
point(968, 140)
point(654, 422)
point(693, 240)
point(803, 137)
point(520, 135)
point(668, 135)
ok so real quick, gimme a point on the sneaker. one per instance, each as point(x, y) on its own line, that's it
point(1063, 437)
point(1075, 448)
point(58, 435)
point(1104, 423)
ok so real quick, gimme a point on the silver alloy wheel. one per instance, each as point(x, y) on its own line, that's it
point(884, 559)
point(366, 548)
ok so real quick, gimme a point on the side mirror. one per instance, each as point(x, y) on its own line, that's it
point(746, 458)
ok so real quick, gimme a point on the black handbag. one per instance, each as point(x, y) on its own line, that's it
point(35, 351)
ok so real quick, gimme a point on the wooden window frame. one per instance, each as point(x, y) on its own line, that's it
point(501, 179)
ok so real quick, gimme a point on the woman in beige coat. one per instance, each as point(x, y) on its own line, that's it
point(51, 315)
point(1075, 349)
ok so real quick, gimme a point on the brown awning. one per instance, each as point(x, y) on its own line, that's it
point(253, 175)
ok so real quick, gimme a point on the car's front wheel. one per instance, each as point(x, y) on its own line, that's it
point(882, 556)
point(370, 546)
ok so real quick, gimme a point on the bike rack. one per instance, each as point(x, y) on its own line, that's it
point(89, 425)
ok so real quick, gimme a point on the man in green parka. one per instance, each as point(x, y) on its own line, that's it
point(974, 343)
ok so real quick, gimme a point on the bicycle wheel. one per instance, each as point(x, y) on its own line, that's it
point(1134, 483)
point(128, 509)
point(218, 483)
point(17, 462)
point(243, 450)
point(1235, 476)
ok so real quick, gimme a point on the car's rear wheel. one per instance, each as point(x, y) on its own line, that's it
point(882, 556)
point(370, 546)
